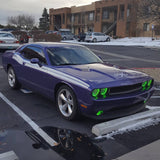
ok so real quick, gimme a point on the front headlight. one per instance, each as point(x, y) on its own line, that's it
point(100, 93)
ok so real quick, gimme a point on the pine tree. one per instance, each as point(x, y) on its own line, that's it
point(44, 20)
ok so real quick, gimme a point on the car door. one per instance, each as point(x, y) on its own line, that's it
point(35, 75)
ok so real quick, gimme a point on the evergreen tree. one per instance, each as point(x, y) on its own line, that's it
point(44, 20)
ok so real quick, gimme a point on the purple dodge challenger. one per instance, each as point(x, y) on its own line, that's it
point(77, 80)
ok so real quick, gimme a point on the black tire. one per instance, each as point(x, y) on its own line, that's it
point(64, 38)
point(94, 40)
point(66, 102)
point(108, 39)
point(12, 79)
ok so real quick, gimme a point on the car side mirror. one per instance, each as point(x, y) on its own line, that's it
point(36, 61)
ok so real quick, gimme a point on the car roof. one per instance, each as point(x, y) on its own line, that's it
point(52, 44)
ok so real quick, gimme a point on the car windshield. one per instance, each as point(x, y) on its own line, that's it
point(72, 56)
point(6, 35)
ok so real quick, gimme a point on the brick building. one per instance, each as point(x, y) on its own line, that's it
point(114, 17)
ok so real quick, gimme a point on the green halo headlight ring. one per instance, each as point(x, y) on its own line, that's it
point(144, 84)
point(149, 84)
point(95, 93)
point(104, 91)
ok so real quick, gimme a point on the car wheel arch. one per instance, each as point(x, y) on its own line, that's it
point(8, 66)
point(61, 84)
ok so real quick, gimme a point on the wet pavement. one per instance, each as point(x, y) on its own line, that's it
point(75, 140)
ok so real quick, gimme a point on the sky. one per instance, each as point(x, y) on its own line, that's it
point(35, 8)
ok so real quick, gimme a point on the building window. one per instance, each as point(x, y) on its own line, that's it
point(121, 16)
point(146, 27)
point(63, 18)
point(128, 10)
point(157, 29)
point(91, 16)
point(105, 14)
point(83, 18)
point(72, 19)
point(79, 18)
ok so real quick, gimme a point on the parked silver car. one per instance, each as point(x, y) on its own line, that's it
point(97, 37)
point(66, 34)
point(8, 41)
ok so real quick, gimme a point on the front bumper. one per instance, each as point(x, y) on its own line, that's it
point(116, 107)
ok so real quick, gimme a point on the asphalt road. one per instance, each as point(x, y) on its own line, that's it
point(130, 57)
point(43, 112)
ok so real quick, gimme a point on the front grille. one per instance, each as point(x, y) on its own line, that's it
point(125, 89)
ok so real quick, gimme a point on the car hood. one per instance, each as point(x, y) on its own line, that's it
point(100, 74)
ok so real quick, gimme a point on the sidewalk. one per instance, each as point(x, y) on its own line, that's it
point(153, 72)
point(149, 152)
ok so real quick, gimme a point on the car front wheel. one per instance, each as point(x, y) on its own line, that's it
point(94, 40)
point(67, 103)
point(12, 79)
point(108, 39)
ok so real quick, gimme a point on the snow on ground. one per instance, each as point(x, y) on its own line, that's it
point(137, 125)
point(134, 41)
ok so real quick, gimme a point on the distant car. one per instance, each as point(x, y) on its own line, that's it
point(77, 80)
point(52, 32)
point(66, 34)
point(97, 37)
point(8, 41)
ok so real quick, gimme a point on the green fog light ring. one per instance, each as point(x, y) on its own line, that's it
point(95, 92)
point(99, 113)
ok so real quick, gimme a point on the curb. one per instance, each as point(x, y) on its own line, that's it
point(114, 125)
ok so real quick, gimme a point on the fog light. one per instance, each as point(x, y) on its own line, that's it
point(99, 113)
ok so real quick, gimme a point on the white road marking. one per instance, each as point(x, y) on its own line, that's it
point(125, 57)
point(35, 127)
point(8, 156)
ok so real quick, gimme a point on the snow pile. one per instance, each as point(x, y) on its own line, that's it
point(134, 41)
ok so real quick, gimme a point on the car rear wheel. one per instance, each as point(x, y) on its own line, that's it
point(12, 79)
point(67, 103)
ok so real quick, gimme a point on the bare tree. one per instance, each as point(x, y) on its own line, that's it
point(149, 9)
point(22, 21)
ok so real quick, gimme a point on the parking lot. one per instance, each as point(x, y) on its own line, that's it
point(16, 129)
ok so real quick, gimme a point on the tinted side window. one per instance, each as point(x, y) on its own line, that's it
point(33, 52)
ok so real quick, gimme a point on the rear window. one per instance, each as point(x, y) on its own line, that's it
point(89, 34)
